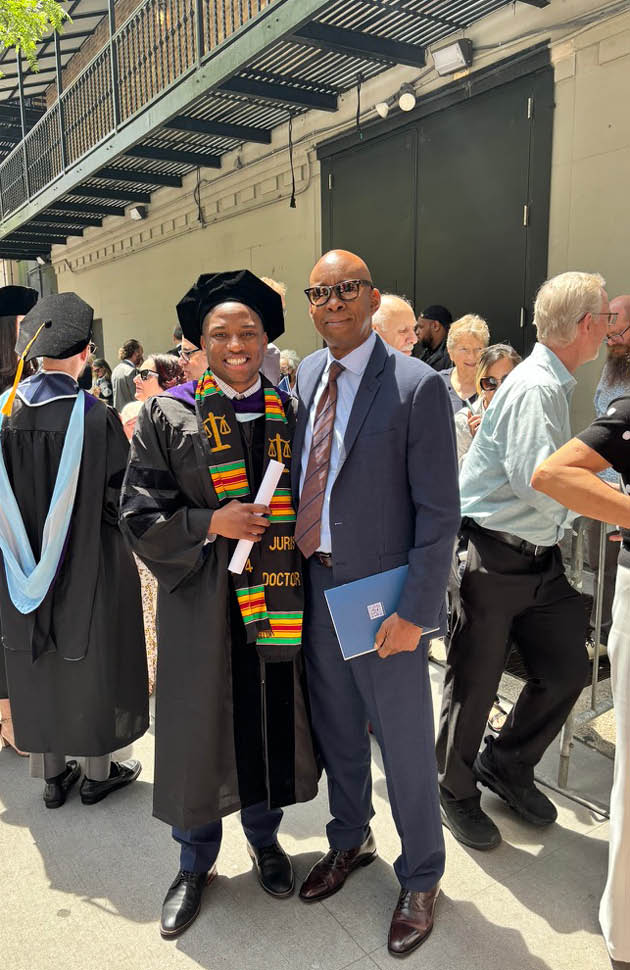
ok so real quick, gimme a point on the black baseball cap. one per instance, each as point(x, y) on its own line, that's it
point(439, 313)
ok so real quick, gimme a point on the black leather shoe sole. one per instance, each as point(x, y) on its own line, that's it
point(104, 788)
point(63, 788)
point(494, 783)
point(365, 861)
point(482, 845)
point(172, 934)
point(282, 895)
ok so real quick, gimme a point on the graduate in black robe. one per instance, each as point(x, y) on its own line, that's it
point(232, 729)
point(74, 648)
point(15, 302)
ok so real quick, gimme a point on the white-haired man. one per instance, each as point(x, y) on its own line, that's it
point(395, 322)
point(514, 582)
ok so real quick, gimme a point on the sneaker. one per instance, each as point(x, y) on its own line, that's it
point(520, 794)
point(468, 822)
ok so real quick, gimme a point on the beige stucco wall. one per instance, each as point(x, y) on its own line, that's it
point(134, 272)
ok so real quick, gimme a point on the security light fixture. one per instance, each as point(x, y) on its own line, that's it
point(42, 260)
point(382, 109)
point(406, 98)
point(138, 212)
point(453, 57)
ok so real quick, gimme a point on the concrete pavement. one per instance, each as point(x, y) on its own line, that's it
point(82, 888)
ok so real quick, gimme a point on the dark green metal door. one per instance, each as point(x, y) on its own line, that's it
point(476, 211)
point(453, 208)
point(369, 208)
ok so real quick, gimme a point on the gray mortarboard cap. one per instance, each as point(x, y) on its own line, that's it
point(240, 286)
point(67, 327)
point(15, 301)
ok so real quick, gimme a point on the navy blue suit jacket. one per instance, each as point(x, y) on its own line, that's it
point(395, 499)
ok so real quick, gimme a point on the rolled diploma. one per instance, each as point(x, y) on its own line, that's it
point(263, 497)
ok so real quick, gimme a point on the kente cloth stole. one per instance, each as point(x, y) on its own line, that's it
point(269, 591)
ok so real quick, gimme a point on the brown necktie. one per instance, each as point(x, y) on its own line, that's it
point(308, 523)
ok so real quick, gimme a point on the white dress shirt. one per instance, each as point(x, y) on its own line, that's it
point(348, 382)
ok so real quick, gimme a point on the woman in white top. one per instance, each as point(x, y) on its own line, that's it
point(495, 364)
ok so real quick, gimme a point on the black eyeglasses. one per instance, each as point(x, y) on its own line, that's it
point(491, 383)
point(617, 336)
point(146, 374)
point(347, 291)
point(187, 354)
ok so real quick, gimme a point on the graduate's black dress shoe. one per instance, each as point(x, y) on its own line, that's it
point(329, 874)
point(121, 773)
point(520, 793)
point(56, 789)
point(183, 901)
point(273, 868)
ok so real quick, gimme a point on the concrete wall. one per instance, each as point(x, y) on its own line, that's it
point(134, 273)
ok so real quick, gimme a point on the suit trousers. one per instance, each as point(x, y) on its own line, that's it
point(394, 694)
point(615, 904)
point(200, 846)
point(51, 765)
point(505, 593)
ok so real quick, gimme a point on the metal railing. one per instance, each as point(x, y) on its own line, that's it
point(155, 48)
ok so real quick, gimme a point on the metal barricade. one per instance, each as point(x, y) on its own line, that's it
point(598, 705)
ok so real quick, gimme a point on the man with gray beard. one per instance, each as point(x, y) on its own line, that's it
point(614, 383)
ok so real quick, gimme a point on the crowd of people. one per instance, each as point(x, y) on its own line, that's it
point(473, 450)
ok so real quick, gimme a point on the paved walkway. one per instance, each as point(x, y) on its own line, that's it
point(82, 888)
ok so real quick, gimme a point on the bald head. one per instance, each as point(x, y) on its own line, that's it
point(342, 300)
point(341, 264)
point(395, 321)
point(621, 306)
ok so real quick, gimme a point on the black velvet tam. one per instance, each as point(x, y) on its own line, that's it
point(67, 322)
point(16, 301)
point(239, 286)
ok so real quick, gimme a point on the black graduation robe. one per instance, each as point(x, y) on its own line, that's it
point(76, 667)
point(231, 730)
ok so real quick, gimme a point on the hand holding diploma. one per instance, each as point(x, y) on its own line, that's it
point(240, 520)
point(255, 524)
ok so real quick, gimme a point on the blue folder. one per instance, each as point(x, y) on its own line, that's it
point(358, 609)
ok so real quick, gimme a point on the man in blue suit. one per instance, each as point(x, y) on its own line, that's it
point(375, 474)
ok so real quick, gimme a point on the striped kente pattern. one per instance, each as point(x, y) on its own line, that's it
point(308, 524)
point(286, 630)
point(229, 480)
point(273, 406)
point(252, 604)
point(282, 506)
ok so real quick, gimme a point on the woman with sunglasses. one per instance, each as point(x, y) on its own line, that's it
point(159, 373)
point(495, 363)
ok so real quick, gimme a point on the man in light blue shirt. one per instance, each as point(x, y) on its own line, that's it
point(513, 584)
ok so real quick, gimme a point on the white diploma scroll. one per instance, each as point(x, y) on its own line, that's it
point(265, 493)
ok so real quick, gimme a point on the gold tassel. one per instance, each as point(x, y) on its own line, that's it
point(8, 404)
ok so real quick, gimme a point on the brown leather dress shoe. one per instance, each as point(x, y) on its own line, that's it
point(412, 921)
point(329, 874)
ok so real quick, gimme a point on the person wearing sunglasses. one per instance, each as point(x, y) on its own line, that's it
point(159, 373)
point(495, 364)
point(375, 476)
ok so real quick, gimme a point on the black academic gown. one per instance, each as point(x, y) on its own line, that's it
point(231, 730)
point(76, 667)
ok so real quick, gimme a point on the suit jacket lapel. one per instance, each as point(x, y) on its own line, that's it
point(370, 383)
point(308, 380)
